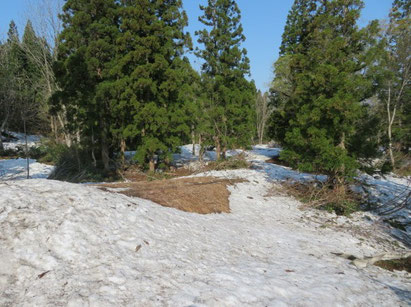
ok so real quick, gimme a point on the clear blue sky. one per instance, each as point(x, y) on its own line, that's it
point(263, 22)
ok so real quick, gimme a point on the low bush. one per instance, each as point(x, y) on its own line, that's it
point(235, 162)
point(74, 164)
point(403, 164)
point(326, 196)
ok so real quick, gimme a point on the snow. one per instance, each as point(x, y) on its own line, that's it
point(76, 245)
point(105, 249)
point(186, 155)
point(15, 169)
point(20, 142)
point(393, 195)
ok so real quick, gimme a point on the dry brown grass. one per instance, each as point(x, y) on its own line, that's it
point(202, 195)
point(134, 173)
point(395, 264)
point(338, 198)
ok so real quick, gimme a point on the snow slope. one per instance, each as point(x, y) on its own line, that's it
point(16, 169)
point(73, 245)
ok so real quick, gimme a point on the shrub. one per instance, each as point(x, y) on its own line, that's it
point(235, 162)
point(74, 164)
point(326, 196)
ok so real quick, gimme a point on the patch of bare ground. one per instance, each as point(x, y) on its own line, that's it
point(395, 264)
point(203, 195)
point(134, 173)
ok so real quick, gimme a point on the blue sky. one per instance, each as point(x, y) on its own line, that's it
point(263, 22)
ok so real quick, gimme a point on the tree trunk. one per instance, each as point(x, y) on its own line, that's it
point(26, 148)
point(53, 126)
point(151, 164)
point(201, 153)
point(104, 148)
point(105, 155)
point(339, 174)
point(193, 139)
point(67, 136)
point(217, 147)
point(391, 118)
point(93, 155)
point(1, 144)
point(262, 132)
point(123, 150)
point(224, 152)
point(390, 151)
point(259, 128)
point(3, 125)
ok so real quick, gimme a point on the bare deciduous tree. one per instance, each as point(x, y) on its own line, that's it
point(263, 112)
point(44, 16)
point(397, 65)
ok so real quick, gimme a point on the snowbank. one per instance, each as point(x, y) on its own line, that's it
point(20, 141)
point(75, 245)
point(16, 169)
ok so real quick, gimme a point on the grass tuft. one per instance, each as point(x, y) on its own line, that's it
point(326, 196)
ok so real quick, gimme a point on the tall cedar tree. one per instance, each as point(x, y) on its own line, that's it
point(151, 78)
point(230, 95)
point(326, 88)
point(293, 45)
point(297, 26)
point(86, 49)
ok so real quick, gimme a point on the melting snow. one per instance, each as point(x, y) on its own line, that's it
point(75, 245)
point(16, 169)
point(20, 141)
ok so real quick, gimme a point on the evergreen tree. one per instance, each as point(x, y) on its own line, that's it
point(13, 34)
point(327, 88)
point(86, 50)
point(230, 96)
point(297, 26)
point(151, 78)
point(293, 46)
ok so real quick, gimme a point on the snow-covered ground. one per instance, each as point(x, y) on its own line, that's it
point(75, 245)
point(15, 169)
point(20, 141)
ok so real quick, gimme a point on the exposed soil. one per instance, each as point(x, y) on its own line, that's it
point(133, 173)
point(395, 264)
point(202, 195)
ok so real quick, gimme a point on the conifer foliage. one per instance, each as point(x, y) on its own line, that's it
point(22, 99)
point(319, 86)
point(230, 96)
point(121, 70)
point(150, 73)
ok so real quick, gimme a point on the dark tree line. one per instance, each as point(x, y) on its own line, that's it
point(117, 78)
point(333, 83)
point(126, 82)
point(23, 96)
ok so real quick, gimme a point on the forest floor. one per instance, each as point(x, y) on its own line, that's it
point(87, 245)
